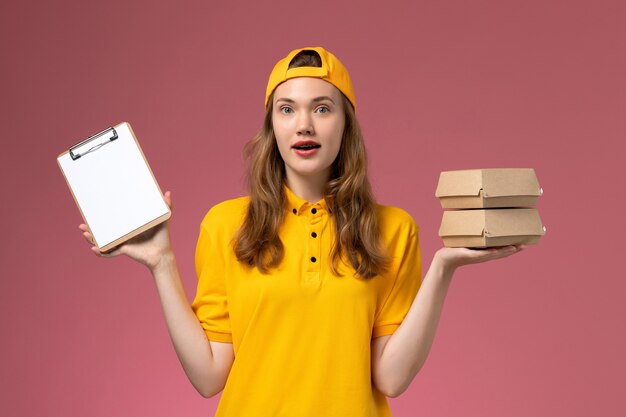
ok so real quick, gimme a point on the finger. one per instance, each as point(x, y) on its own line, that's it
point(482, 255)
point(83, 227)
point(505, 251)
point(168, 199)
point(109, 254)
point(89, 238)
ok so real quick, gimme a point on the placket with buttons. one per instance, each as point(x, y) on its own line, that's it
point(315, 222)
point(314, 219)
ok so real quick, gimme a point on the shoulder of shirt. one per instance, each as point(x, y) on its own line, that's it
point(394, 219)
point(226, 215)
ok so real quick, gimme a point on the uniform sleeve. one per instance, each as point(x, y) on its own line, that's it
point(211, 302)
point(407, 272)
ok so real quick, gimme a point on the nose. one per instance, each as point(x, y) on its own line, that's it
point(305, 125)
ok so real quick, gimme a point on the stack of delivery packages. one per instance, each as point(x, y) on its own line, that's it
point(489, 207)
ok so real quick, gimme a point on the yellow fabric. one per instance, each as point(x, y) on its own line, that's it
point(332, 70)
point(300, 334)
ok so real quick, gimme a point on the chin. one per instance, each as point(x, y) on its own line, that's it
point(309, 172)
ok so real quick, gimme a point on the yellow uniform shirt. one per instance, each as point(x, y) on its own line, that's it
point(300, 334)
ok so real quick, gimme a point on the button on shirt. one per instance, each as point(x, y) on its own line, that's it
point(302, 335)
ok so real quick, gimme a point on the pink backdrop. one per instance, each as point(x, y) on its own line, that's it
point(440, 85)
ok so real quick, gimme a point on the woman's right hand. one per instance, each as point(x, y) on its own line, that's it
point(149, 248)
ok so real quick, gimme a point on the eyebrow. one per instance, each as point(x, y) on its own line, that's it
point(315, 100)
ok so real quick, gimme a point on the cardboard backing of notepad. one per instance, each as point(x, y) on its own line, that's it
point(114, 187)
point(489, 207)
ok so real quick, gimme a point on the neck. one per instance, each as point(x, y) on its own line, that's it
point(309, 188)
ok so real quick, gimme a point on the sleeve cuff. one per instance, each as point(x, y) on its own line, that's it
point(219, 337)
point(384, 330)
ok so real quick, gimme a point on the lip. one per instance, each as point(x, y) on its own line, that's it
point(305, 152)
point(308, 152)
point(304, 142)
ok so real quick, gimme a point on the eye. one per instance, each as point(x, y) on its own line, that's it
point(286, 110)
point(322, 109)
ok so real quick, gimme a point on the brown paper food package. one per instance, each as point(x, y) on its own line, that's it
point(491, 227)
point(488, 188)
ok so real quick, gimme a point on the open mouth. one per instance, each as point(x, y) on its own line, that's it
point(306, 146)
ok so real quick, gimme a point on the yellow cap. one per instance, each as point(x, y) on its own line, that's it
point(332, 70)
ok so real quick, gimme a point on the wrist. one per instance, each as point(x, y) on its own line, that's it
point(165, 262)
point(443, 267)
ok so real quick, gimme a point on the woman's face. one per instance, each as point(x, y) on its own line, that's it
point(308, 120)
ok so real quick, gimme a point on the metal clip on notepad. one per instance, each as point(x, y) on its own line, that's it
point(93, 143)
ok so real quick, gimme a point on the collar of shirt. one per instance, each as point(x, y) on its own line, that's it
point(299, 206)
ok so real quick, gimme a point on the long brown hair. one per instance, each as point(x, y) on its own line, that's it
point(348, 198)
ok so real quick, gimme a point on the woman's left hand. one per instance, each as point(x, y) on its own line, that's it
point(452, 258)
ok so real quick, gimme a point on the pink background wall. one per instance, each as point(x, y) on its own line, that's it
point(440, 85)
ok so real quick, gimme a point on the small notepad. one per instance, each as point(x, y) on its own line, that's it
point(113, 186)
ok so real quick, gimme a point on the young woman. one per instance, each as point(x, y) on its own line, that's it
point(307, 300)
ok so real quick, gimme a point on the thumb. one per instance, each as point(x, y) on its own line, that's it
point(110, 254)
